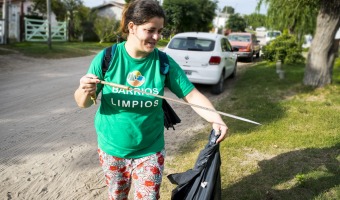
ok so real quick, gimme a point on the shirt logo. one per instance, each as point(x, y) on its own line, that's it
point(135, 79)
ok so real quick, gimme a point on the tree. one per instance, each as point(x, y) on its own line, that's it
point(72, 7)
point(106, 28)
point(181, 15)
point(63, 9)
point(206, 15)
point(83, 17)
point(297, 15)
point(189, 15)
point(255, 20)
point(58, 8)
point(321, 55)
point(236, 23)
point(228, 10)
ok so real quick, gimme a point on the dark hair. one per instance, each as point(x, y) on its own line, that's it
point(140, 12)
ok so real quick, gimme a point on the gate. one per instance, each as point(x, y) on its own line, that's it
point(37, 31)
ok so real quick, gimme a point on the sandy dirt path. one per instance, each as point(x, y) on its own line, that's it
point(47, 144)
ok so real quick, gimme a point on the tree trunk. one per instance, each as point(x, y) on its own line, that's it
point(321, 55)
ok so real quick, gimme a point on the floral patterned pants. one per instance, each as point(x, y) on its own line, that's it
point(146, 174)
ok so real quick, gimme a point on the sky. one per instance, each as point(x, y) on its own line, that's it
point(241, 6)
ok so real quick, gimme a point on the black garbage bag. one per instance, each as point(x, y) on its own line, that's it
point(203, 182)
point(170, 117)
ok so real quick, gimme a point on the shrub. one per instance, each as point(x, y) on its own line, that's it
point(163, 42)
point(284, 48)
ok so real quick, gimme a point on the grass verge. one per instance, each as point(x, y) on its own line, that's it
point(295, 154)
point(59, 49)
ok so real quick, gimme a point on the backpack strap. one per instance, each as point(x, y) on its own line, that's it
point(164, 62)
point(109, 52)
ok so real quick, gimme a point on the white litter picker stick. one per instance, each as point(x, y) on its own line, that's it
point(177, 101)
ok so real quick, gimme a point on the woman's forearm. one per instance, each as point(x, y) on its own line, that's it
point(195, 97)
point(82, 98)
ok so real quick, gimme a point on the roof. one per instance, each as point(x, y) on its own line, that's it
point(110, 4)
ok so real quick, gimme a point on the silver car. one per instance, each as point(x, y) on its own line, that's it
point(206, 58)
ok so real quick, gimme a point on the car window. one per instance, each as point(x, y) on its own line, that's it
point(241, 38)
point(273, 34)
point(229, 45)
point(225, 45)
point(192, 43)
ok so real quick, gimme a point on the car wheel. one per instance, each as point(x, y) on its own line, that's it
point(234, 72)
point(218, 87)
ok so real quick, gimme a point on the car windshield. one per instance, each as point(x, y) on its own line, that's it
point(192, 43)
point(241, 38)
point(273, 34)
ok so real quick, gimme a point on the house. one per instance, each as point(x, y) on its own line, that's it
point(111, 9)
point(17, 9)
point(220, 21)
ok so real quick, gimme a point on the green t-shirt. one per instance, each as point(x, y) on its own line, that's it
point(130, 124)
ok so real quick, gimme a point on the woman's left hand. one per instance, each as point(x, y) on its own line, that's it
point(221, 129)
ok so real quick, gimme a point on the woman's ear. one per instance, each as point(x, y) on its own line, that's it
point(130, 27)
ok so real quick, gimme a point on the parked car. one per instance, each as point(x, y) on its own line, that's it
point(271, 35)
point(246, 43)
point(206, 58)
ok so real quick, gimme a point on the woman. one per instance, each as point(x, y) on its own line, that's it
point(129, 124)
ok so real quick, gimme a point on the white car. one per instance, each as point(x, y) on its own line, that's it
point(206, 58)
point(271, 35)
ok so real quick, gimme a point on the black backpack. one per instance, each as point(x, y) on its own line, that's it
point(170, 117)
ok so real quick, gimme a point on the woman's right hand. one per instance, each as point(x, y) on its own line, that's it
point(88, 84)
point(85, 95)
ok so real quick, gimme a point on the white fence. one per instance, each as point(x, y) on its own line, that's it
point(37, 31)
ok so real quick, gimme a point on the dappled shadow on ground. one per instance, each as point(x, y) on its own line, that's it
point(258, 93)
point(286, 176)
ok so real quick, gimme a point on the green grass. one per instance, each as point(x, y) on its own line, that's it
point(59, 49)
point(295, 154)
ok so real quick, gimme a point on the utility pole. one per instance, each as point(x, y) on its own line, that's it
point(6, 21)
point(49, 24)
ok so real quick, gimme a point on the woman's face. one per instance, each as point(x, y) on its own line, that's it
point(145, 37)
